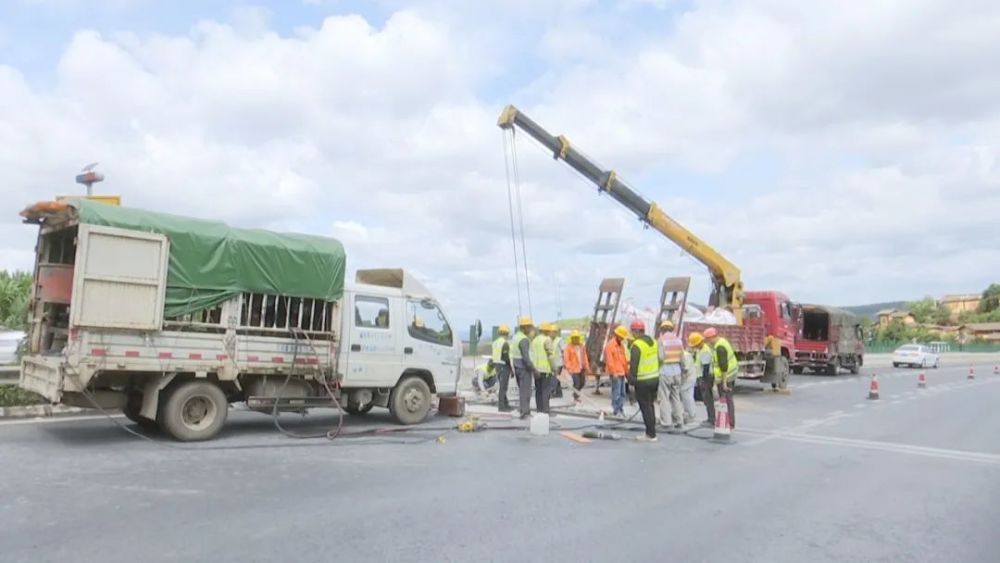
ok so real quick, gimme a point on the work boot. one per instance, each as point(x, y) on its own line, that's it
point(708, 423)
point(505, 408)
point(688, 419)
point(645, 438)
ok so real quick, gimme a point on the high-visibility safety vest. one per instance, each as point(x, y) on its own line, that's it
point(540, 347)
point(649, 360)
point(498, 349)
point(515, 346)
point(733, 365)
point(672, 349)
point(557, 350)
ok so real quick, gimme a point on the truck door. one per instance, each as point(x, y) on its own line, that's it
point(431, 345)
point(373, 357)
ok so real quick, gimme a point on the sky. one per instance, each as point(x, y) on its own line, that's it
point(840, 152)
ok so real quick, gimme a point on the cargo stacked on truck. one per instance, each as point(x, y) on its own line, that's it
point(830, 339)
point(171, 319)
point(763, 331)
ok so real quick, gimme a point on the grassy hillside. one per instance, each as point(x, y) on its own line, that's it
point(870, 309)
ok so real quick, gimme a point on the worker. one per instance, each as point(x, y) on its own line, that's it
point(500, 361)
point(541, 357)
point(702, 353)
point(616, 364)
point(725, 366)
point(558, 345)
point(644, 374)
point(576, 362)
point(672, 370)
point(524, 368)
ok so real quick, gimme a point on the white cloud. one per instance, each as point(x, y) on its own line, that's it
point(878, 123)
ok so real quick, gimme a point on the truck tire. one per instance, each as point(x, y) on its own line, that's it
point(194, 411)
point(831, 369)
point(797, 370)
point(856, 367)
point(354, 409)
point(410, 401)
point(133, 404)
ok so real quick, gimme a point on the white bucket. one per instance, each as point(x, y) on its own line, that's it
point(540, 424)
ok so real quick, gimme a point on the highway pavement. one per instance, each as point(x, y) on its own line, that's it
point(821, 475)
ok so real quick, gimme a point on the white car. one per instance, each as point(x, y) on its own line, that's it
point(916, 355)
point(9, 340)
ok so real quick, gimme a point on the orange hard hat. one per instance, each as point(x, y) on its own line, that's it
point(710, 332)
point(637, 324)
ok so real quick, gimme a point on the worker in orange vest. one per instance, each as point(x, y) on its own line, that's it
point(616, 364)
point(576, 362)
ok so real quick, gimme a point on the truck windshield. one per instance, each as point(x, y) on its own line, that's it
point(426, 322)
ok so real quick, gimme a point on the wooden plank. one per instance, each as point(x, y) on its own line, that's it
point(574, 436)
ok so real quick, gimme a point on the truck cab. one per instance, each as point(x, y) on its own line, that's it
point(779, 318)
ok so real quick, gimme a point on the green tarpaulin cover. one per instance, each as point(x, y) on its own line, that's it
point(211, 262)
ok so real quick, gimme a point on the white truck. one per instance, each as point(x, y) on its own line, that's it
point(171, 319)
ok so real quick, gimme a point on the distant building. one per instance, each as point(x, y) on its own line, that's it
point(958, 304)
point(989, 332)
point(886, 316)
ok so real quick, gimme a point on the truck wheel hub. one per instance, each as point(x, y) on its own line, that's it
point(197, 412)
point(412, 400)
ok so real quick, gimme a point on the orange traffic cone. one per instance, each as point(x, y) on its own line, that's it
point(972, 373)
point(873, 389)
point(722, 430)
point(922, 381)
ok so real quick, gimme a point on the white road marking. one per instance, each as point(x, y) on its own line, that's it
point(941, 453)
point(54, 419)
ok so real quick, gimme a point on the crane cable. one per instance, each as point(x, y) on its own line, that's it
point(520, 213)
point(513, 235)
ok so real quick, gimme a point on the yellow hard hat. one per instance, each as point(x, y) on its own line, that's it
point(620, 330)
point(503, 329)
point(525, 321)
point(576, 334)
point(551, 327)
point(695, 339)
point(667, 324)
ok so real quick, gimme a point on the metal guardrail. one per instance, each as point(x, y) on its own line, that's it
point(9, 375)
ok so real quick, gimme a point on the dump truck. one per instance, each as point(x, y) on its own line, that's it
point(770, 313)
point(829, 339)
point(171, 319)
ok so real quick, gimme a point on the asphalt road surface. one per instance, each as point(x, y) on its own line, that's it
point(821, 475)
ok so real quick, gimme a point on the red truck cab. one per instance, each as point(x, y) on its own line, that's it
point(779, 318)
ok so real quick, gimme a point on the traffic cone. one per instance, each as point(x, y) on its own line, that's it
point(722, 430)
point(972, 373)
point(873, 389)
point(922, 381)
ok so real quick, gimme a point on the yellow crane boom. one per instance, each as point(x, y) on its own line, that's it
point(727, 285)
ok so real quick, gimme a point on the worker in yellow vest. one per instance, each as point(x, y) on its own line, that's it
point(556, 359)
point(644, 374)
point(500, 361)
point(524, 368)
point(541, 357)
point(702, 353)
point(725, 368)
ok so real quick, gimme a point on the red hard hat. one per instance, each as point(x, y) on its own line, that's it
point(710, 333)
point(638, 325)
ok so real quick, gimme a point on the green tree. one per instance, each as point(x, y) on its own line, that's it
point(929, 311)
point(991, 299)
point(15, 291)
